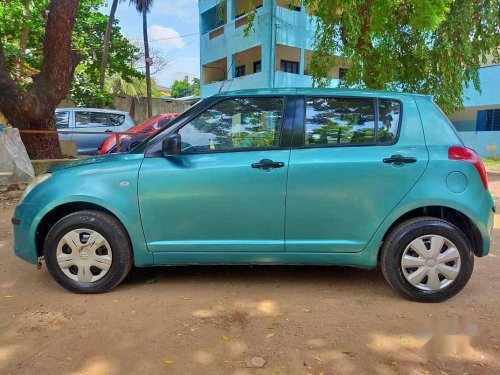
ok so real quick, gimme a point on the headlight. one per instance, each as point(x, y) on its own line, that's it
point(37, 180)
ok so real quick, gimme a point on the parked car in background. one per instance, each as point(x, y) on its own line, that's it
point(91, 120)
point(272, 176)
point(141, 131)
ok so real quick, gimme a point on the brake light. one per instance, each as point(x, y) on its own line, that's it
point(469, 155)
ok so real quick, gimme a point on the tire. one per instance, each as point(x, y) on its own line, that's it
point(406, 240)
point(88, 252)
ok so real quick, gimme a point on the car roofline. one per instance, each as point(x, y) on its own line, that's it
point(314, 91)
point(93, 110)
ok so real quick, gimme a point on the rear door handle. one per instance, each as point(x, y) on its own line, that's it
point(108, 131)
point(268, 164)
point(398, 159)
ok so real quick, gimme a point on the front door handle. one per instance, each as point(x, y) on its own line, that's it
point(268, 164)
point(398, 159)
point(108, 131)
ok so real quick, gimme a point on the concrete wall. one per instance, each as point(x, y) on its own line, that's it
point(486, 144)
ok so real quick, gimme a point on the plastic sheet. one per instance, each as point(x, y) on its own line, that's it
point(15, 165)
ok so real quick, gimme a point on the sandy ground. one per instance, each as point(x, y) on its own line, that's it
point(214, 320)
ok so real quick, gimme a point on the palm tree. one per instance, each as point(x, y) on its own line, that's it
point(106, 43)
point(144, 7)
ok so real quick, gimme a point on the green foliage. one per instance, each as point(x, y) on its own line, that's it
point(136, 87)
point(433, 47)
point(427, 46)
point(88, 35)
point(184, 88)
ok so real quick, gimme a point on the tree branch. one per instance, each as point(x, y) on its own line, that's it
point(9, 89)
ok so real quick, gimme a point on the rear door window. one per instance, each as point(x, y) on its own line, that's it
point(337, 121)
point(351, 121)
point(85, 119)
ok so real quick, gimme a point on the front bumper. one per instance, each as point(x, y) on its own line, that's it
point(25, 223)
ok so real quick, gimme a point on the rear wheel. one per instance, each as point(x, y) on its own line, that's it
point(427, 259)
point(88, 252)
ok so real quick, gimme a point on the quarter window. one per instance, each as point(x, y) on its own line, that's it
point(62, 120)
point(90, 119)
point(335, 121)
point(235, 124)
point(116, 119)
point(388, 124)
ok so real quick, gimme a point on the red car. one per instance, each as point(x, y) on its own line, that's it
point(148, 127)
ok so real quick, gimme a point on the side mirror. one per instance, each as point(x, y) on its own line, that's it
point(171, 145)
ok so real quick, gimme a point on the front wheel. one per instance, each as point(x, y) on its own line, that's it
point(88, 252)
point(427, 259)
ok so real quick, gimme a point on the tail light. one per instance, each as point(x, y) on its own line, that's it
point(469, 155)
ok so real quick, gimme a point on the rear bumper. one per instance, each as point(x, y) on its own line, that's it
point(486, 217)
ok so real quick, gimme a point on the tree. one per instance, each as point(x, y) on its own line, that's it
point(431, 47)
point(90, 29)
point(106, 44)
point(180, 89)
point(144, 7)
point(33, 107)
point(184, 88)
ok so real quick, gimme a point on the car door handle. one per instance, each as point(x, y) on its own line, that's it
point(398, 159)
point(108, 131)
point(268, 164)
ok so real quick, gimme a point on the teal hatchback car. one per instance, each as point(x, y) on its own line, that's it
point(282, 176)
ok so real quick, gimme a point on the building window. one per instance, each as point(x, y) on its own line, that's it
point(342, 73)
point(488, 120)
point(240, 71)
point(290, 66)
point(257, 66)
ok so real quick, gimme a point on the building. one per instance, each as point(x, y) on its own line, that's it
point(479, 123)
point(273, 55)
point(278, 50)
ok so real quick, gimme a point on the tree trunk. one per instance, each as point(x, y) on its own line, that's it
point(148, 63)
point(34, 109)
point(107, 42)
point(41, 146)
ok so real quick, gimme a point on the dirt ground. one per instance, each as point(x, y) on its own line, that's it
point(214, 320)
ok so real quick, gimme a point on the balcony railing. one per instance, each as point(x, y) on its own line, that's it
point(216, 32)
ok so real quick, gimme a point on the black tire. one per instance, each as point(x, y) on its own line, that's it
point(114, 233)
point(402, 235)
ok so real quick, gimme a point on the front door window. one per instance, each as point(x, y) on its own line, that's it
point(235, 124)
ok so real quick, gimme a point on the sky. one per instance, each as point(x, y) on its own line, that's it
point(173, 31)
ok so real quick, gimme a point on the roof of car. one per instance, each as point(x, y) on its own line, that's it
point(92, 110)
point(318, 91)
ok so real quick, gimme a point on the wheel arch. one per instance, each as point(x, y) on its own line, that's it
point(452, 215)
point(58, 212)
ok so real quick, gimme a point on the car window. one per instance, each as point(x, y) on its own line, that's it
point(389, 113)
point(116, 119)
point(336, 121)
point(62, 120)
point(233, 124)
point(84, 119)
